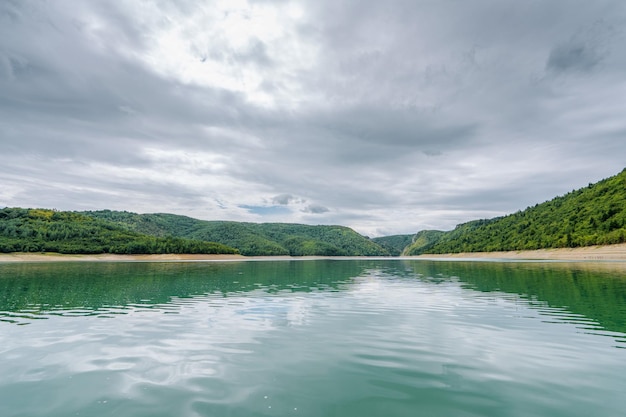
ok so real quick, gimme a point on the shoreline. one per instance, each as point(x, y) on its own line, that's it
point(588, 253)
point(39, 257)
point(109, 257)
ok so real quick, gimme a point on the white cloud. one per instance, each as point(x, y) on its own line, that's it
point(233, 45)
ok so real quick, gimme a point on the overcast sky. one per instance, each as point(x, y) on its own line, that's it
point(385, 116)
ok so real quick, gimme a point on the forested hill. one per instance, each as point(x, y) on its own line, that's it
point(251, 239)
point(594, 215)
point(394, 244)
point(39, 230)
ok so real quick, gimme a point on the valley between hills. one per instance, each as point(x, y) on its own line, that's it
point(588, 223)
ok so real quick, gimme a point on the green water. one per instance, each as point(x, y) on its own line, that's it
point(312, 338)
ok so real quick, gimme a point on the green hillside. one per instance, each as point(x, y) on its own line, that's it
point(394, 244)
point(594, 215)
point(39, 230)
point(422, 242)
point(251, 239)
point(302, 239)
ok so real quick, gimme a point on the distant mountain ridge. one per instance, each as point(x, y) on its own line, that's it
point(593, 215)
point(250, 239)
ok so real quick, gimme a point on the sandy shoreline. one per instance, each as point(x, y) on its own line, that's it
point(590, 253)
point(108, 257)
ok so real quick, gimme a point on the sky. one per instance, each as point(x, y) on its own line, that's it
point(389, 117)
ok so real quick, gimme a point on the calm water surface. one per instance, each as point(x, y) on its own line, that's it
point(312, 338)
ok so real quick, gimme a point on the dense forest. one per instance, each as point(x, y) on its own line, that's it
point(593, 215)
point(39, 230)
point(423, 241)
point(251, 239)
point(394, 244)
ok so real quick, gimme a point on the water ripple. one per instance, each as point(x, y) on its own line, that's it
point(373, 339)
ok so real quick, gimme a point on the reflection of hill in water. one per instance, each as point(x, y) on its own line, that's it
point(40, 289)
point(37, 290)
point(595, 292)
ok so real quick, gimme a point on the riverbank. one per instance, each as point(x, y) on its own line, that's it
point(588, 253)
point(108, 257)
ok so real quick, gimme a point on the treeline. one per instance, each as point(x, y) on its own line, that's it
point(593, 215)
point(39, 230)
point(251, 239)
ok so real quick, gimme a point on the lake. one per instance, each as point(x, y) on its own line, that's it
point(312, 338)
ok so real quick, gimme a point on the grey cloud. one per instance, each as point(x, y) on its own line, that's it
point(284, 199)
point(584, 51)
point(10, 11)
point(396, 128)
point(573, 57)
point(315, 209)
point(436, 112)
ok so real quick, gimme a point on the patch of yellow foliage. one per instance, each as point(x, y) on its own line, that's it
point(41, 214)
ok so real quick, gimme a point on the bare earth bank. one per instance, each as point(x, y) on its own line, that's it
point(590, 253)
point(107, 257)
point(55, 257)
